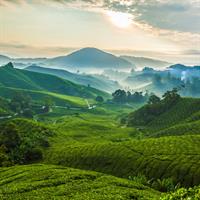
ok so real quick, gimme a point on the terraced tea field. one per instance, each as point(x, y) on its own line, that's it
point(175, 157)
point(56, 182)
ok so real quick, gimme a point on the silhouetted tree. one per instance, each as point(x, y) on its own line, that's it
point(171, 96)
point(119, 96)
point(153, 99)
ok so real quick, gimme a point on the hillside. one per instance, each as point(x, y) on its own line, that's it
point(90, 58)
point(82, 79)
point(158, 117)
point(23, 79)
point(39, 96)
point(175, 157)
point(56, 182)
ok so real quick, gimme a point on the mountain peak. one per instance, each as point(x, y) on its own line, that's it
point(9, 65)
point(91, 57)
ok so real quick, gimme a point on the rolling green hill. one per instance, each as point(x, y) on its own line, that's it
point(23, 79)
point(175, 157)
point(58, 99)
point(56, 182)
point(155, 118)
point(101, 83)
point(192, 128)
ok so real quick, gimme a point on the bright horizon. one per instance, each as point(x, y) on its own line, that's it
point(156, 29)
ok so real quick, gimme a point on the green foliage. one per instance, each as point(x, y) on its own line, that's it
point(153, 99)
point(121, 96)
point(56, 182)
point(22, 140)
point(183, 194)
point(162, 185)
point(20, 102)
point(9, 136)
point(140, 178)
point(4, 158)
point(165, 185)
point(172, 96)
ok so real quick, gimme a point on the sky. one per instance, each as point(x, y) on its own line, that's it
point(162, 29)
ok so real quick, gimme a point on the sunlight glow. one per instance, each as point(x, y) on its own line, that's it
point(119, 19)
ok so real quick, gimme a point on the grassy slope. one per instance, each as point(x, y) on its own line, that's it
point(176, 157)
point(59, 99)
point(182, 118)
point(97, 142)
point(55, 182)
point(11, 77)
point(191, 128)
point(82, 79)
point(177, 114)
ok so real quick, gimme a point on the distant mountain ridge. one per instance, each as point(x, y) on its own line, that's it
point(6, 59)
point(90, 58)
point(141, 62)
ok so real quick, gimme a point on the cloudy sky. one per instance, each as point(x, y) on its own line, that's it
point(164, 29)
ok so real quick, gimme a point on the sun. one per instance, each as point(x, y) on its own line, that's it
point(119, 19)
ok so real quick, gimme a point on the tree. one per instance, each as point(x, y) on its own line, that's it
point(99, 99)
point(119, 96)
point(153, 99)
point(9, 136)
point(20, 102)
point(171, 96)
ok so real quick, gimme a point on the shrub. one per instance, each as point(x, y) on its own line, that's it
point(99, 99)
point(34, 154)
point(165, 185)
point(140, 178)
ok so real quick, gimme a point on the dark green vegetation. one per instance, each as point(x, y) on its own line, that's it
point(121, 96)
point(158, 152)
point(22, 141)
point(168, 117)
